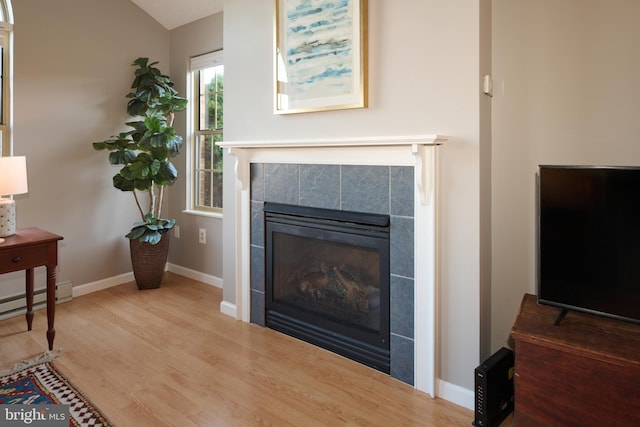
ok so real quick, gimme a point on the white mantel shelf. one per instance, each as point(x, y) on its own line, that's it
point(378, 150)
point(375, 141)
point(419, 151)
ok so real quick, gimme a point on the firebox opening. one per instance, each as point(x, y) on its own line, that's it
point(327, 279)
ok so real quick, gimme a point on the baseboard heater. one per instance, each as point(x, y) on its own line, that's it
point(16, 305)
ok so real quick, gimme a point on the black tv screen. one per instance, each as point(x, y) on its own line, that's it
point(589, 239)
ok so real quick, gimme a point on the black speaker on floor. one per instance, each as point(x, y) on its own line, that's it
point(494, 389)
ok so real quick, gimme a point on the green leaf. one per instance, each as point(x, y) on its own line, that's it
point(161, 153)
point(123, 184)
point(142, 62)
point(167, 174)
point(174, 145)
point(155, 167)
point(136, 170)
point(137, 106)
point(148, 217)
point(152, 238)
point(121, 157)
point(136, 232)
point(158, 140)
point(143, 184)
point(153, 123)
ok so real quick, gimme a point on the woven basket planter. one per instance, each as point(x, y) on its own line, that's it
point(149, 261)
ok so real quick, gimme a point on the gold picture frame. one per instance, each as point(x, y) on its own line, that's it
point(320, 55)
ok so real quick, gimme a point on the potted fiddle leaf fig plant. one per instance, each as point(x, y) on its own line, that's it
point(144, 153)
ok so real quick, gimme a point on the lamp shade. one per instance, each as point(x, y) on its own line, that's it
point(13, 175)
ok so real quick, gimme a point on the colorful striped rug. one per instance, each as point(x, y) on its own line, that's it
point(42, 384)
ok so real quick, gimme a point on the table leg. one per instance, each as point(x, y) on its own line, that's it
point(29, 292)
point(51, 304)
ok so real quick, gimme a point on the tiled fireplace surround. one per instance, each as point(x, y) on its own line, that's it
point(391, 175)
point(373, 189)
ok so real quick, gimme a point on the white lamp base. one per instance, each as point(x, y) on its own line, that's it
point(7, 217)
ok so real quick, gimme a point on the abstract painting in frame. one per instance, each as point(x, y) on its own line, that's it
point(320, 55)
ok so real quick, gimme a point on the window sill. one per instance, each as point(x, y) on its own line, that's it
point(217, 215)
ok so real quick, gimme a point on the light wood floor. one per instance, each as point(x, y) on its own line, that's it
point(167, 357)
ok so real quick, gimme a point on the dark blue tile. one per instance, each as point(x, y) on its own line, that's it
point(402, 188)
point(257, 308)
point(257, 268)
point(257, 223)
point(365, 189)
point(402, 359)
point(282, 183)
point(401, 246)
point(402, 306)
point(320, 186)
point(257, 182)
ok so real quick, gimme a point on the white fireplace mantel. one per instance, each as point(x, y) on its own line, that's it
point(419, 151)
point(391, 150)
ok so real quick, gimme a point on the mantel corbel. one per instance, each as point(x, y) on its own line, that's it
point(424, 171)
point(242, 167)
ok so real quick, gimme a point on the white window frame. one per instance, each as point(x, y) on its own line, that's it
point(6, 41)
point(196, 64)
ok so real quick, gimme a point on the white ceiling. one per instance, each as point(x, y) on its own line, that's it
point(174, 13)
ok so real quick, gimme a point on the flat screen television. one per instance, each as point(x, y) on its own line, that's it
point(589, 239)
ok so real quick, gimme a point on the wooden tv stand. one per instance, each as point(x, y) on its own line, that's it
point(585, 371)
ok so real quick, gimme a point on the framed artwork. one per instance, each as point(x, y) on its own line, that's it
point(320, 55)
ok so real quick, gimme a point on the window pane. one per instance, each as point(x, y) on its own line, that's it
point(210, 189)
point(219, 110)
point(217, 189)
point(211, 100)
point(209, 171)
point(203, 151)
point(209, 155)
point(204, 193)
point(202, 100)
point(217, 153)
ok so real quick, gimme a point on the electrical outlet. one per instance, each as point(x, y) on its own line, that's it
point(176, 231)
point(202, 236)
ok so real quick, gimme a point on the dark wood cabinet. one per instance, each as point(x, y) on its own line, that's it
point(585, 371)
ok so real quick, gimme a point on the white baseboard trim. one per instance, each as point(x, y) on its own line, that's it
point(195, 275)
point(228, 309)
point(99, 285)
point(455, 394)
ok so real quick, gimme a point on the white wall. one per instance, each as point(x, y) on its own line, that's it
point(72, 71)
point(566, 92)
point(424, 78)
point(196, 38)
point(485, 110)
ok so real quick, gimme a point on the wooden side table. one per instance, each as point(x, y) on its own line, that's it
point(25, 250)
